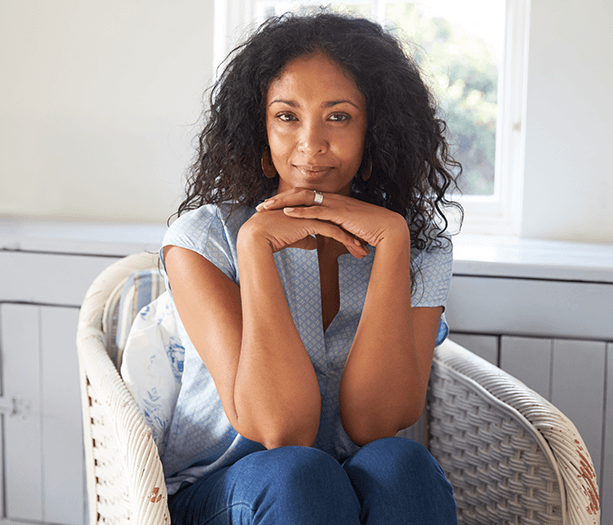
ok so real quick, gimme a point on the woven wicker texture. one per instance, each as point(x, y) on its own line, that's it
point(124, 473)
point(511, 456)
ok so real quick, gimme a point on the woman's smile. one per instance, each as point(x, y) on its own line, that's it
point(316, 123)
point(315, 172)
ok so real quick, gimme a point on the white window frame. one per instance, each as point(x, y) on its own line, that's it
point(499, 214)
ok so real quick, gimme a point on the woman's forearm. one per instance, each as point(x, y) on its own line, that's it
point(276, 392)
point(385, 377)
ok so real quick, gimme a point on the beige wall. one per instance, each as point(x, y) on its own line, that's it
point(568, 180)
point(98, 102)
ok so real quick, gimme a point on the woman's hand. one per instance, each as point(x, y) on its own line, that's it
point(280, 230)
point(366, 223)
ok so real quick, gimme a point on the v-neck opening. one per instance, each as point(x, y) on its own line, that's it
point(305, 298)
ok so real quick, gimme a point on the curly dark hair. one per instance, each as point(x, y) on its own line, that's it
point(412, 168)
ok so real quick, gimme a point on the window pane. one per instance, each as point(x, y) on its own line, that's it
point(459, 47)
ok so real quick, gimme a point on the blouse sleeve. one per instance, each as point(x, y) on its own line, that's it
point(432, 281)
point(204, 231)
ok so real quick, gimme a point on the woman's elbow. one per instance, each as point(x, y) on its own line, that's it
point(363, 429)
point(290, 435)
point(364, 433)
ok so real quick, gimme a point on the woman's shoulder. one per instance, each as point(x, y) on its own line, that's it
point(434, 245)
point(197, 225)
point(434, 268)
point(210, 231)
point(437, 250)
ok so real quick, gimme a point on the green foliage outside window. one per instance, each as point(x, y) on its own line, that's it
point(463, 73)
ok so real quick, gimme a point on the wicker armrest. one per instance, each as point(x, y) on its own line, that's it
point(124, 473)
point(509, 453)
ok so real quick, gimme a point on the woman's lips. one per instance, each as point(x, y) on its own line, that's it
point(314, 171)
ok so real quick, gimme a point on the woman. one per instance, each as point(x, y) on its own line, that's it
point(309, 278)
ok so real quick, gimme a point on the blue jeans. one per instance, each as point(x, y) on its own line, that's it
point(391, 481)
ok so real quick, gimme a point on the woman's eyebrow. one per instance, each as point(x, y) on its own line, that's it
point(328, 104)
point(287, 102)
point(337, 102)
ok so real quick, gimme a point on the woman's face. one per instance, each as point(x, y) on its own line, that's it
point(316, 123)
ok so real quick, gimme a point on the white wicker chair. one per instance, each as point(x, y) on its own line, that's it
point(511, 456)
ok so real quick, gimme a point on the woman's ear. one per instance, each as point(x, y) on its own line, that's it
point(366, 168)
point(267, 166)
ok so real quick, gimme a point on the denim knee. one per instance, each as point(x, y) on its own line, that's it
point(397, 481)
point(303, 485)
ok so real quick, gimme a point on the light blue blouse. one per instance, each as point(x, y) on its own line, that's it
point(201, 439)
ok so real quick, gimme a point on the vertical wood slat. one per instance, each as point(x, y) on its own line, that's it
point(23, 451)
point(577, 389)
point(485, 346)
point(529, 360)
point(2, 416)
point(62, 435)
point(606, 494)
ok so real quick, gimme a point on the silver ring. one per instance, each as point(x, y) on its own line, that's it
point(318, 199)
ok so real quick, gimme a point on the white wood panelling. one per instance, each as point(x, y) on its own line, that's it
point(62, 434)
point(21, 371)
point(530, 307)
point(2, 419)
point(606, 483)
point(577, 389)
point(79, 238)
point(43, 443)
point(529, 360)
point(48, 278)
point(485, 346)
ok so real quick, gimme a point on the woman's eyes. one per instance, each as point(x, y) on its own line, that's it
point(286, 117)
point(334, 117)
point(339, 117)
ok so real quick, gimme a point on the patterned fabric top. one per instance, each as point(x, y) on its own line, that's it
point(201, 439)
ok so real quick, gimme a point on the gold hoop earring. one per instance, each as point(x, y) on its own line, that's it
point(366, 170)
point(268, 168)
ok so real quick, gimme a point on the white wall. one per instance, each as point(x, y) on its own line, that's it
point(568, 180)
point(98, 102)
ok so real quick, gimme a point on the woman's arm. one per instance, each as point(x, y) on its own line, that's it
point(385, 378)
point(264, 377)
point(246, 337)
point(384, 383)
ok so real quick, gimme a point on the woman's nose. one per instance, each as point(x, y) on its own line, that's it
point(312, 139)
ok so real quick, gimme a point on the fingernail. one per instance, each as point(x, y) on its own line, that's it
point(259, 206)
point(357, 243)
point(289, 209)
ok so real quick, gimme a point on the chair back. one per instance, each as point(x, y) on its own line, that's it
point(125, 478)
point(511, 456)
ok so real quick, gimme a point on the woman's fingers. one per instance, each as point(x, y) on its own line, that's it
point(307, 243)
point(354, 246)
point(294, 197)
point(361, 226)
point(309, 229)
point(366, 223)
point(282, 231)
